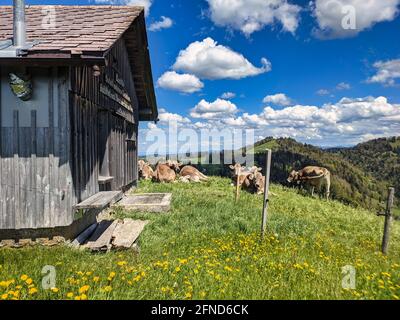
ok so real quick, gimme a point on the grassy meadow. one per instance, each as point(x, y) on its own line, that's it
point(208, 247)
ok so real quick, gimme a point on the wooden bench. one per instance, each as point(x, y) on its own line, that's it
point(100, 200)
point(105, 180)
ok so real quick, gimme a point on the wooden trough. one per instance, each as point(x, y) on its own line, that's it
point(146, 202)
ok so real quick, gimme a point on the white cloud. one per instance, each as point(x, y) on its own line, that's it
point(228, 95)
point(346, 18)
point(347, 122)
point(343, 86)
point(209, 60)
point(323, 92)
point(344, 123)
point(251, 16)
point(387, 72)
point(167, 117)
point(164, 23)
point(152, 126)
point(214, 110)
point(185, 83)
point(142, 3)
point(279, 99)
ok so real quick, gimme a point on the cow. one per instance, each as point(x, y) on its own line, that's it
point(190, 173)
point(258, 182)
point(166, 171)
point(312, 176)
point(146, 172)
point(242, 178)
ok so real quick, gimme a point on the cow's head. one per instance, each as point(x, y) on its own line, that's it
point(237, 169)
point(141, 164)
point(293, 176)
point(258, 181)
point(174, 165)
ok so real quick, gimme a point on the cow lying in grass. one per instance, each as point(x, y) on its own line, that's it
point(146, 172)
point(191, 174)
point(250, 179)
point(166, 171)
point(313, 177)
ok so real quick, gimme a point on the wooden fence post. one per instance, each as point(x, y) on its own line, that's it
point(266, 192)
point(237, 184)
point(388, 219)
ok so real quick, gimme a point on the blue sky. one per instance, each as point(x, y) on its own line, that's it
point(326, 85)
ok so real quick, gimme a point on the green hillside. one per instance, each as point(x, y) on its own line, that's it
point(208, 247)
point(351, 184)
point(380, 158)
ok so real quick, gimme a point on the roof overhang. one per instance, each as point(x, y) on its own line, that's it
point(135, 37)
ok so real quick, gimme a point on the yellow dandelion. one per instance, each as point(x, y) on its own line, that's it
point(107, 289)
point(55, 290)
point(32, 291)
point(24, 277)
point(70, 295)
point(84, 289)
point(28, 281)
point(188, 295)
point(4, 296)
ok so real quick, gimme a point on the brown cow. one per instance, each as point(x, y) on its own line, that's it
point(312, 176)
point(166, 172)
point(244, 176)
point(258, 182)
point(190, 173)
point(145, 170)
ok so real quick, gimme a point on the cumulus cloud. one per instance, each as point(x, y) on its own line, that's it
point(164, 23)
point(279, 99)
point(185, 83)
point(209, 60)
point(213, 110)
point(167, 117)
point(346, 18)
point(387, 72)
point(251, 16)
point(228, 95)
point(142, 3)
point(343, 86)
point(346, 122)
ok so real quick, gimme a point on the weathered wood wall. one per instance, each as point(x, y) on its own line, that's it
point(35, 173)
point(111, 126)
point(53, 161)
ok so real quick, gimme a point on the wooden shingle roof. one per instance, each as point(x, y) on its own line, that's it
point(76, 28)
point(88, 31)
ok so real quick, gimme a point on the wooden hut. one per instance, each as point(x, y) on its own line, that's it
point(73, 89)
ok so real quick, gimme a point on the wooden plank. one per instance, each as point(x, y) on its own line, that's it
point(100, 200)
point(105, 180)
point(127, 232)
point(101, 239)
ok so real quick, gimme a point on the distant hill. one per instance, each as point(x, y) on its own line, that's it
point(351, 183)
point(380, 158)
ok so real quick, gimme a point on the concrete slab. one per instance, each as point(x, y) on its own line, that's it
point(146, 202)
